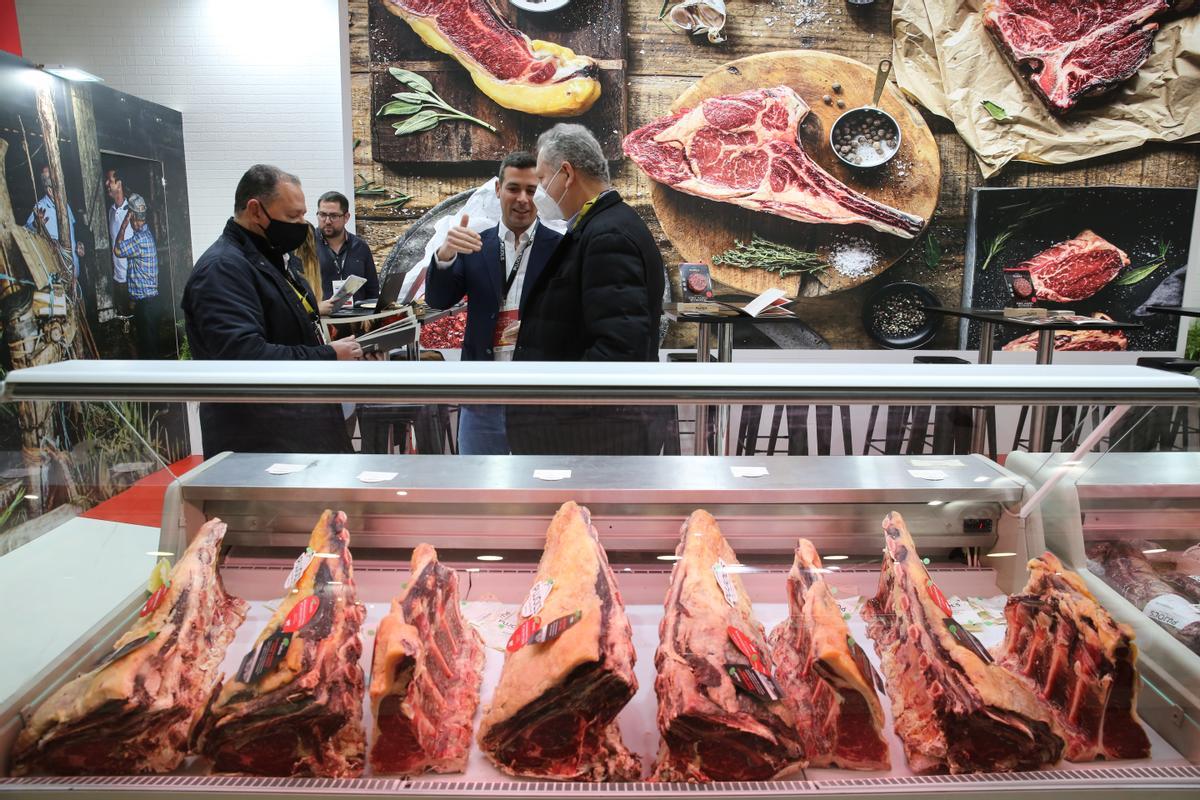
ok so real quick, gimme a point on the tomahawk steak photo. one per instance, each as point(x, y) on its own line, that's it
point(134, 712)
point(569, 668)
point(954, 709)
point(425, 675)
point(1067, 648)
point(295, 706)
point(743, 149)
point(720, 715)
point(1075, 269)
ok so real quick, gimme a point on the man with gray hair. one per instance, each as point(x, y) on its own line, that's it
point(243, 302)
point(598, 299)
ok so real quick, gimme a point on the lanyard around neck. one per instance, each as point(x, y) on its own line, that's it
point(512, 273)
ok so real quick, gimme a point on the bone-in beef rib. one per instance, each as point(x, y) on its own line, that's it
point(742, 149)
point(554, 712)
point(1078, 339)
point(1070, 50)
point(1075, 269)
point(295, 706)
point(825, 676)
point(519, 73)
point(425, 675)
point(1071, 652)
point(955, 709)
point(135, 711)
point(712, 730)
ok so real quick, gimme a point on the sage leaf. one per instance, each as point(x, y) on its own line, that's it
point(411, 79)
point(933, 252)
point(1140, 274)
point(412, 97)
point(394, 202)
point(398, 107)
point(998, 113)
point(417, 123)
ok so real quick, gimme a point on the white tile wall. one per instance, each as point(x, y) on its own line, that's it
point(256, 81)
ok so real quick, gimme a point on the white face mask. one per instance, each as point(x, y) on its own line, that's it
point(547, 206)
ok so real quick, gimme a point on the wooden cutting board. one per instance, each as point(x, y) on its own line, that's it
point(700, 228)
point(593, 28)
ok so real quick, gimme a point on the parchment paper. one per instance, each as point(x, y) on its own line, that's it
point(947, 61)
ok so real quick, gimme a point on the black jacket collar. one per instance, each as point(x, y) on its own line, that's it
point(608, 200)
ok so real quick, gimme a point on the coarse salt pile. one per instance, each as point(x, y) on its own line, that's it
point(854, 260)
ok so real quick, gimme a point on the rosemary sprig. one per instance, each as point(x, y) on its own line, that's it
point(1192, 348)
point(997, 243)
point(423, 107)
point(770, 256)
point(994, 247)
point(1145, 271)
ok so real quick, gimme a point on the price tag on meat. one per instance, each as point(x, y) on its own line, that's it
point(725, 581)
point(556, 628)
point(536, 598)
point(154, 600)
point(753, 682)
point(301, 613)
point(749, 649)
point(940, 599)
point(298, 568)
point(272, 651)
point(126, 649)
point(523, 634)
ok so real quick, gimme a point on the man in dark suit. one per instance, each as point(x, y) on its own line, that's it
point(494, 270)
point(241, 302)
point(599, 299)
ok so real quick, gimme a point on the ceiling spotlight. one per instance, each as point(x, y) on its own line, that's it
point(1000, 555)
point(668, 558)
point(489, 558)
point(836, 558)
point(1154, 550)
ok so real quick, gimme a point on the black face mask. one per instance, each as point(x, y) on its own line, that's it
point(285, 236)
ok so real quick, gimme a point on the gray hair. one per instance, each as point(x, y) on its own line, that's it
point(261, 183)
point(574, 143)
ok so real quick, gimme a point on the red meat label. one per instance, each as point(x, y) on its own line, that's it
point(301, 613)
point(523, 634)
point(555, 628)
point(939, 598)
point(154, 600)
point(749, 649)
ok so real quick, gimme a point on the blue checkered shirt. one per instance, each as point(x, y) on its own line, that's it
point(142, 255)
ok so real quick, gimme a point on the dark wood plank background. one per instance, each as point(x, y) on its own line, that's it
point(662, 63)
point(594, 28)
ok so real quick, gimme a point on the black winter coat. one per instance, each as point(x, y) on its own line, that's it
point(239, 306)
point(598, 299)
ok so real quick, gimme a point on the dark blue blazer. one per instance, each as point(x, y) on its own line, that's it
point(480, 278)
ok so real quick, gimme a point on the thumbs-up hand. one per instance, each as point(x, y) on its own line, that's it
point(460, 239)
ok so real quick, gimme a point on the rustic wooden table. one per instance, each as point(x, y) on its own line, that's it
point(663, 63)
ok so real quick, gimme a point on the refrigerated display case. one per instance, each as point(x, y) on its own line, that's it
point(974, 521)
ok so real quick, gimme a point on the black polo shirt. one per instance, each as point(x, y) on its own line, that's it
point(353, 259)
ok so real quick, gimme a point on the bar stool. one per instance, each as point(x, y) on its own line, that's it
point(797, 430)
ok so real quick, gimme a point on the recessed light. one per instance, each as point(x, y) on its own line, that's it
point(836, 558)
point(668, 558)
point(326, 555)
point(835, 566)
point(402, 494)
point(937, 502)
point(32, 497)
point(489, 558)
point(1154, 550)
point(1000, 555)
point(158, 553)
point(627, 569)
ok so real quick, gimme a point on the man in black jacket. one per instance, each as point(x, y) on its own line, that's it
point(242, 303)
point(598, 299)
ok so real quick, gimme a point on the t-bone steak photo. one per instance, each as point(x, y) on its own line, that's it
point(742, 149)
point(134, 712)
point(1070, 651)
point(515, 71)
point(1070, 50)
point(554, 712)
point(825, 676)
point(954, 709)
point(425, 675)
point(712, 728)
point(295, 706)
point(1075, 269)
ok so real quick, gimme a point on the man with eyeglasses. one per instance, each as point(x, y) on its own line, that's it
point(341, 253)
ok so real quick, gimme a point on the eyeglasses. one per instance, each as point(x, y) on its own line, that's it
point(326, 215)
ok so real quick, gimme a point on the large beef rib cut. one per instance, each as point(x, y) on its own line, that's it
point(955, 709)
point(742, 149)
point(554, 711)
point(134, 712)
point(1070, 50)
point(1075, 269)
point(825, 676)
point(519, 73)
point(1125, 568)
point(295, 706)
point(712, 730)
point(425, 675)
point(1068, 649)
point(1076, 339)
